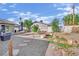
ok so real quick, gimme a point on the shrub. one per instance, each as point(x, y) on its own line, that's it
point(55, 25)
point(64, 45)
point(50, 41)
point(35, 28)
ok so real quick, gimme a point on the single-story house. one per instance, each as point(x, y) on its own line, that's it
point(43, 26)
point(6, 26)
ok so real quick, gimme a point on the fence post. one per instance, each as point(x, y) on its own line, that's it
point(10, 48)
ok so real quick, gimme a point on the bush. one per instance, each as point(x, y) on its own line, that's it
point(35, 28)
point(49, 36)
point(51, 42)
point(55, 25)
point(64, 45)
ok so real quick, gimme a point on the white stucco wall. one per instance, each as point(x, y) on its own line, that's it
point(68, 29)
point(49, 29)
point(42, 27)
point(8, 28)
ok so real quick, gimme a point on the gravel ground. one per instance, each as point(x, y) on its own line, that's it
point(30, 47)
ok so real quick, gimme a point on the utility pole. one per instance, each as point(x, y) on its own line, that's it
point(21, 24)
point(73, 13)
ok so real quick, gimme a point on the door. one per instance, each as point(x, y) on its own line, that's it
point(3, 28)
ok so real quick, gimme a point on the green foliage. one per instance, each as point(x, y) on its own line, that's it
point(35, 28)
point(68, 19)
point(62, 39)
point(77, 46)
point(28, 24)
point(49, 36)
point(50, 41)
point(64, 45)
point(55, 25)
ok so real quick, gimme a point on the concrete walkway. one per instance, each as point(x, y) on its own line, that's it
point(33, 37)
point(29, 46)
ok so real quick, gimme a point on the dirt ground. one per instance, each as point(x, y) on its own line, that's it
point(72, 36)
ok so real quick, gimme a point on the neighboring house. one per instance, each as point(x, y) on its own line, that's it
point(43, 26)
point(17, 27)
point(6, 26)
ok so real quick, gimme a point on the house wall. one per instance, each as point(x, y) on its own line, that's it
point(43, 27)
point(11, 28)
point(68, 29)
point(50, 29)
point(8, 27)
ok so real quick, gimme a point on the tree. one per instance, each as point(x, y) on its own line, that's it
point(28, 24)
point(35, 28)
point(68, 19)
point(55, 25)
point(77, 19)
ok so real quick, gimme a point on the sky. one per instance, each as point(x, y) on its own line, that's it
point(35, 11)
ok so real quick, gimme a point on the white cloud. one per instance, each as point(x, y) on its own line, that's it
point(15, 12)
point(13, 5)
point(55, 5)
point(45, 19)
point(33, 16)
point(25, 14)
point(3, 3)
point(41, 18)
point(4, 9)
point(77, 9)
point(60, 15)
point(59, 8)
point(66, 4)
point(28, 13)
point(65, 13)
point(13, 20)
point(22, 14)
point(64, 8)
point(68, 8)
point(47, 22)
